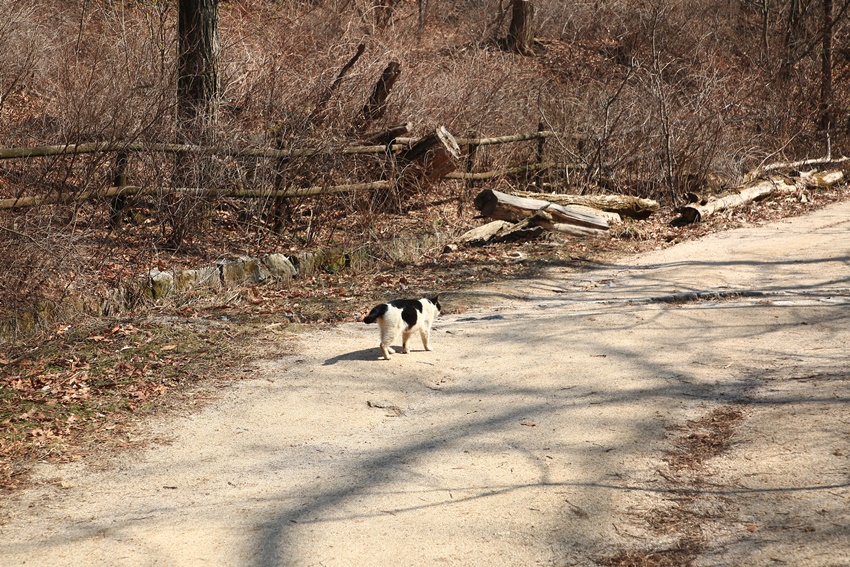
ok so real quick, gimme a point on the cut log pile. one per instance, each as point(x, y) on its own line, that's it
point(504, 206)
point(623, 205)
point(522, 218)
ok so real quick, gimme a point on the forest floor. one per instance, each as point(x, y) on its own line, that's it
point(578, 409)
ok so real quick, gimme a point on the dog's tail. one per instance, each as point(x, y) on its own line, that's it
point(376, 313)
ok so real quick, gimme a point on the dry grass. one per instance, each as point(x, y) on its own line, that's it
point(682, 516)
point(704, 439)
point(80, 388)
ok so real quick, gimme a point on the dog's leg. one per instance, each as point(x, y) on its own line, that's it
point(405, 348)
point(388, 334)
point(426, 338)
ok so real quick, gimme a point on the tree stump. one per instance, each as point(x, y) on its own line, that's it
point(430, 158)
point(377, 103)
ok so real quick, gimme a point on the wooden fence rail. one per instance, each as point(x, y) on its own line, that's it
point(106, 147)
point(97, 147)
point(109, 192)
point(122, 187)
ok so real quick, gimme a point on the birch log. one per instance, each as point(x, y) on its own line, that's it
point(821, 179)
point(611, 217)
point(794, 165)
point(776, 185)
point(482, 234)
point(696, 212)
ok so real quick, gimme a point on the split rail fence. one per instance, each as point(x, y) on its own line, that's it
point(119, 186)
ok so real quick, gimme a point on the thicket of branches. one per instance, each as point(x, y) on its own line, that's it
point(650, 97)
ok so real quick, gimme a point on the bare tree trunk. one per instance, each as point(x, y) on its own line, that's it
point(792, 30)
point(826, 75)
point(521, 30)
point(383, 13)
point(423, 14)
point(197, 65)
point(765, 25)
point(197, 105)
point(657, 77)
point(377, 103)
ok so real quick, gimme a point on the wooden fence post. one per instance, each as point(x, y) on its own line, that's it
point(275, 215)
point(541, 141)
point(472, 149)
point(118, 202)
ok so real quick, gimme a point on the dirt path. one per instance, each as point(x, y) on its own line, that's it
point(579, 419)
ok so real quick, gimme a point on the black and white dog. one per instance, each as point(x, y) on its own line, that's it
point(404, 316)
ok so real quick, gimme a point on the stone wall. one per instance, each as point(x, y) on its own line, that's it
point(242, 271)
point(168, 285)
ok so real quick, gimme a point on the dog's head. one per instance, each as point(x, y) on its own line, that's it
point(436, 301)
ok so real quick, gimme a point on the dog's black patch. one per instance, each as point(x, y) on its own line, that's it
point(410, 314)
point(376, 313)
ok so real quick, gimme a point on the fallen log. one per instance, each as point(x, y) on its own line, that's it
point(611, 217)
point(544, 219)
point(795, 165)
point(525, 229)
point(624, 205)
point(503, 206)
point(482, 234)
point(695, 212)
point(821, 179)
point(317, 115)
point(377, 103)
point(529, 227)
